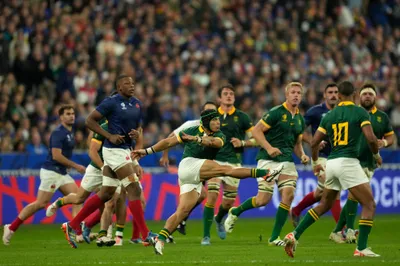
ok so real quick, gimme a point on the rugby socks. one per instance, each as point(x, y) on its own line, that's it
point(336, 210)
point(120, 231)
point(256, 172)
point(342, 220)
point(208, 215)
point(91, 205)
point(93, 219)
point(135, 206)
point(307, 201)
point(163, 235)
point(351, 213)
point(250, 203)
point(15, 224)
point(365, 226)
point(306, 222)
point(60, 203)
point(280, 220)
point(102, 233)
point(221, 214)
point(136, 231)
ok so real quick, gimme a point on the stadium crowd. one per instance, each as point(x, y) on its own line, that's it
point(180, 52)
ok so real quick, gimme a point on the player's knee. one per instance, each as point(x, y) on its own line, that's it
point(213, 192)
point(202, 196)
point(262, 199)
point(287, 188)
point(229, 198)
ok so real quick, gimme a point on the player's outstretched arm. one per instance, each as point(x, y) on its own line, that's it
point(159, 146)
point(318, 137)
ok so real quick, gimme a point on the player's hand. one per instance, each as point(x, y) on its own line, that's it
point(317, 169)
point(322, 145)
point(188, 138)
point(381, 144)
point(164, 161)
point(237, 143)
point(138, 171)
point(137, 154)
point(116, 139)
point(134, 134)
point(273, 152)
point(379, 161)
point(305, 159)
point(80, 168)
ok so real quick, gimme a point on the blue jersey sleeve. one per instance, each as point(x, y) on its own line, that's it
point(57, 139)
point(308, 117)
point(105, 107)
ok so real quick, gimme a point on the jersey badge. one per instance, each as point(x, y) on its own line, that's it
point(284, 118)
point(123, 106)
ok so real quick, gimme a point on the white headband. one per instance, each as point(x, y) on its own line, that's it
point(367, 90)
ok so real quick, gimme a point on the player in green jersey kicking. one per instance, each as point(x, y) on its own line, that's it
point(201, 146)
point(343, 126)
point(383, 131)
point(235, 125)
point(279, 133)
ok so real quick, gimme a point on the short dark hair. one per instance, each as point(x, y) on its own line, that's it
point(122, 76)
point(368, 85)
point(209, 102)
point(346, 88)
point(227, 86)
point(63, 108)
point(330, 85)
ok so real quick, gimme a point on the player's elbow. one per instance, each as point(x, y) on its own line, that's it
point(314, 144)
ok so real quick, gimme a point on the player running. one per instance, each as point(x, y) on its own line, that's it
point(344, 126)
point(235, 125)
point(313, 118)
point(383, 131)
point(53, 174)
point(279, 133)
point(201, 146)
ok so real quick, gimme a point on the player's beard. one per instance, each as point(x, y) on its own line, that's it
point(369, 105)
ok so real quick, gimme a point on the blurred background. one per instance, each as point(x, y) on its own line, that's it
point(180, 52)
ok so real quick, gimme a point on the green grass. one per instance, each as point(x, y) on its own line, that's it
point(45, 245)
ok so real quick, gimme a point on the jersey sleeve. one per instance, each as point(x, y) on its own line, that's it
point(180, 134)
point(269, 119)
point(324, 124)
point(388, 127)
point(363, 117)
point(247, 124)
point(105, 107)
point(308, 117)
point(219, 135)
point(57, 140)
point(99, 138)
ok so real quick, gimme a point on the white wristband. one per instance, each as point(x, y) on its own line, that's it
point(385, 142)
point(150, 150)
point(135, 162)
point(377, 156)
point(243, 143)
point(199, 139)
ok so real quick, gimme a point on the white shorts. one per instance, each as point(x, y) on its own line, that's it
point(189, 175)
point(344, 173)
point(289, 168)
point(369, 173)
point(92, 179)
point(234, 182)
point(116, 158)
point(50, 181)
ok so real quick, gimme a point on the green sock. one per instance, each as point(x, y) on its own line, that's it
point(208, 215)
point(250, 203)
point(342, 219)
point(256, 172)
point(120, 230)
point(365, 227)
point(351, 213)
point(60, 203)
point(102, 233)
point(163, 235)
point(306, 222)
point(280, 220)
point(221, 214)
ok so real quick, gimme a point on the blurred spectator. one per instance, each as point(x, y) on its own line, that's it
point(36, 146)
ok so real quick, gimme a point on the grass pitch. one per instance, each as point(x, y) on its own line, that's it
point(247, 245)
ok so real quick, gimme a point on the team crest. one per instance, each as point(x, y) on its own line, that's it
point(123, 106)
point(235, 119)
point(379, 119)
point(284, 117)
point(68, 137)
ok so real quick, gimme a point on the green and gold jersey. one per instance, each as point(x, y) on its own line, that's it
point(99, 139)
point(283, 131)
point(234, 124)
point(382, 128)
point(343, 126)
point(196, 150)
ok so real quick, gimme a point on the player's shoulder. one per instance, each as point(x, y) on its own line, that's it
point(382, 114)
point(240, 112)
point(277, 109)
point(135, 100)
point(316, 109)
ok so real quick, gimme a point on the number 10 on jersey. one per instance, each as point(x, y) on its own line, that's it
point(340, 134)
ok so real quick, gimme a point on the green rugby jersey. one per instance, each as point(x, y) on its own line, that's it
point(196, 150)
point(343, 126)
point(283, 131)
point(381, 125)
point(234, 124)
point(99, 139)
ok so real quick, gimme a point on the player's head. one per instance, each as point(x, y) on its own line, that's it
point(226, 93)
point(367, 96)
point(346, 91)
point(67, 114)
point(209, 119)
point(331, 94)
point(208, 106)
point(125, 86)
point(293, 93)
